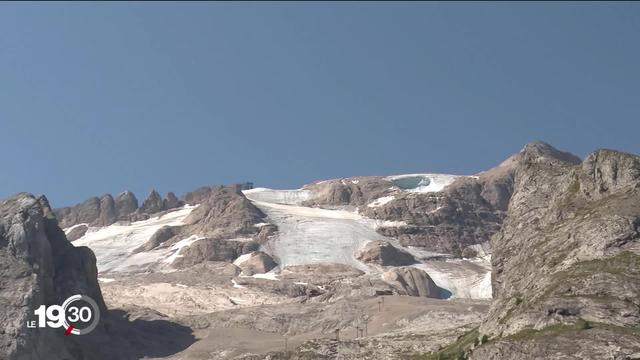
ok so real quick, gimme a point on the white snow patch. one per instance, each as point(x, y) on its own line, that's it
point(268, 276)
point(259, 225)
point(288, 197)
point(182, 285)
point(106, 280)
point(355, 181)
point(381, 201)
point(114, 244)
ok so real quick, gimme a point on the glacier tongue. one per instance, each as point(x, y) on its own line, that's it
point(309, 235)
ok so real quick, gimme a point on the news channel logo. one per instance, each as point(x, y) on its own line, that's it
point(78, 315)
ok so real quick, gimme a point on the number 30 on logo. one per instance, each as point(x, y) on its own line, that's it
point(78, 315)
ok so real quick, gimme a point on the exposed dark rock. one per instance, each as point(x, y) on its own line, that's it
point(171, 202)
point(385, 254)
point(224, 212)
point(77, 232)
point(152, 204)
point(257, 262)
point(160, 236)
point(411, 281)
point(108, 213)
point(354, 191)
point(265, 233)
point(126, 203)
point(209, 250)
point(84, 213)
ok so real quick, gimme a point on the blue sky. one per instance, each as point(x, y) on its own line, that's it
point(103, 97)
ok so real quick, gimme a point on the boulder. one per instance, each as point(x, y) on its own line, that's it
point(256, 262)
point(77, 232)
point(411, 281)
point(383, 253)
point(160, 236)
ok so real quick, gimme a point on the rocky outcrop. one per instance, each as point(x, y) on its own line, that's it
point(385, 254)
point(171, 202)
point(356, 191)
point(256, 262)
point(225, 220)
point(152, 204)
point(159, 237)
point(411, 281)
point(126, 203)
point(38, 266)
point(106, 210)
point(223, 212)
point(95, 211)
point(77, 232)
point(211, 249)
point(467, 212)
point(566, 264)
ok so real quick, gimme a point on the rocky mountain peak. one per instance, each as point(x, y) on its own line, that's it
point(153, 203)
point(171, 201)
point(538, 150)
point(126, 203)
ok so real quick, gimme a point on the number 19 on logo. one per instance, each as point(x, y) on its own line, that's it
point(78, 315)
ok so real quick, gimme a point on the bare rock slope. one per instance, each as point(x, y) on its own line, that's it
point(566, 263)
point(38, 266)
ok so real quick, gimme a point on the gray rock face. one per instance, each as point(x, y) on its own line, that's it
point(163, 234)
point(213, 250)
point(171, 202)
point(467, 212)
point(152, 204)
point(85, 212)
point(567, 260)
point(224, 212)
point(95, 211)
point(106, 210)
point(108, 213)
point(355, 191)
point(126, 203)
point(383, 253)
point(257, 263)
point(77, 232)
point(38, 266)
point(411, 281)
